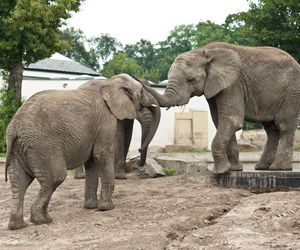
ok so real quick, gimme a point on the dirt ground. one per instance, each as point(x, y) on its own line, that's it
point(163, 213)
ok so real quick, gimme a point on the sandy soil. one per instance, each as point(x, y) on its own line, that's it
point(163, 213)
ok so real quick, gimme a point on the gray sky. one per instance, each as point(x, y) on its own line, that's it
point(131, 20)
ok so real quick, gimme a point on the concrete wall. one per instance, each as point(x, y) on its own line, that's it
point(29, 87)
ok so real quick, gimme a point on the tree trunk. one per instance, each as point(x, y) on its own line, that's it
point(15, 78)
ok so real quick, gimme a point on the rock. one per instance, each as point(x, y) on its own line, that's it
point(189, 165)
point(151, 168)
point(247, 147)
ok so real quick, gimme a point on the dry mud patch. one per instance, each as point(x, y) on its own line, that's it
point(164, 213)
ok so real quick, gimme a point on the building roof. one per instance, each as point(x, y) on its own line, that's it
point(61, 64)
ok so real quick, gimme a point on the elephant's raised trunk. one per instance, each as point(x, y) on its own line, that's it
point(155, 113)
point(171, 96)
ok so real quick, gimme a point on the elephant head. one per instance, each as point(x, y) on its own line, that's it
point(125, 98)
point(197, 72)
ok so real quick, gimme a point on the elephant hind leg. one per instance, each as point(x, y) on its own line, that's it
point(284, 157)
point(19, 180)
point(49, 183)
point(269, 154)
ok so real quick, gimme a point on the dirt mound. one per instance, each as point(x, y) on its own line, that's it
point(163, 213)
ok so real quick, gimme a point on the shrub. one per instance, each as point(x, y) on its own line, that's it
point(8, 108)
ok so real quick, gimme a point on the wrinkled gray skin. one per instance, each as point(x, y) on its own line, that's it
point(58, 130)
point(240, 83)
point(123, 137)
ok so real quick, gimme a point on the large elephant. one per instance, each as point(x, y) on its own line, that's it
point(56, 130)
point(123, 137)
point(240, 83)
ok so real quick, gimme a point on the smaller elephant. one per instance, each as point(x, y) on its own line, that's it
point(56, 130)
point(123, 137)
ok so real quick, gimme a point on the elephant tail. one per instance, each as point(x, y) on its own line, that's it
point(9, 152)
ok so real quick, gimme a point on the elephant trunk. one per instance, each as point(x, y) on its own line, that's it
point(155, 113)
point(172, 96)
point(145, 119)
point(163, 100)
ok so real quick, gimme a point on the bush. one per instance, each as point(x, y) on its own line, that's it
point(8, 108)
point(251, 125)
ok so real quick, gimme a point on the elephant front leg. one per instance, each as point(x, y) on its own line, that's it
point(119, 163)
point(106, 172)
point(284, 156)
point(104, 155)
point(233, 155)
point(79, 173)
point(225, 131)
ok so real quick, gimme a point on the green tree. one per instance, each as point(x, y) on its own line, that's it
point(143, 52)
point(77, 48)
point(153, 75)
point(271, 22)
point(208, 31)
point(29, 31)
point(7, 110)
point(234, 29)
point(105, 46)
point(120, 63)
point(178, 41)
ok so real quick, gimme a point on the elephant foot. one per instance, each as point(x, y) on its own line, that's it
point(79, 176)
point(105, 205)
point(90, 204)
point(281, 166)
point(79, 173)
point(262, 166)
point(120, 175)
point(221, 168)
point(16, 224)
point(40, 218)
point(236, 167)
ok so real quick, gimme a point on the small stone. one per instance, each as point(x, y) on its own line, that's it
point(206, 221)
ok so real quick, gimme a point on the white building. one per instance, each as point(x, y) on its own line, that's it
point(56, 72)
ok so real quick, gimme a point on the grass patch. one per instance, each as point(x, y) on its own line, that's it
point(70, 172)
point(169, 171)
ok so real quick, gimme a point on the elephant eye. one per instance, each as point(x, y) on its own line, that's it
point(141, 93)
point(191, 80)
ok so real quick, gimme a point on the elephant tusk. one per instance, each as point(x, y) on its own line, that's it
point(183, 108)
point(153, 105)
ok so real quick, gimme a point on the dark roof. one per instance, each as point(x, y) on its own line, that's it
point(61, 66)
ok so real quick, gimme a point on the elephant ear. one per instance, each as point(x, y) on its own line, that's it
point(118, 95)
point(222, 70)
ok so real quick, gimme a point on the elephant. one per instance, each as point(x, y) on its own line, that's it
point(56, 130)
point(123, 136)
point(256, 84)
